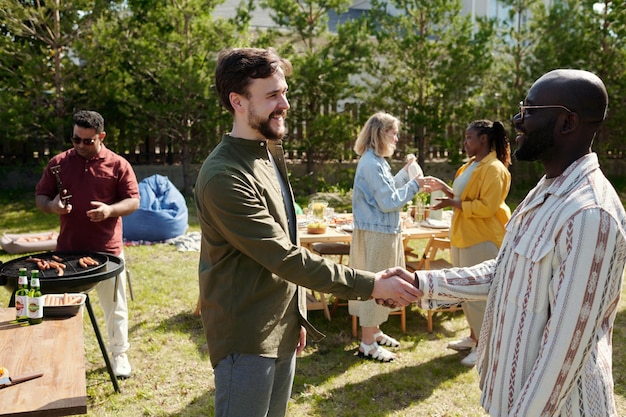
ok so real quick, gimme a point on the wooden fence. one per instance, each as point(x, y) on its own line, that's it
point(155, 152)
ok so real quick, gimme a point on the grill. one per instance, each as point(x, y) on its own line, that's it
point(75, 277)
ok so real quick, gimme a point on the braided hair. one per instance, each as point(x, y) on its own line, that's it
point(497, 136)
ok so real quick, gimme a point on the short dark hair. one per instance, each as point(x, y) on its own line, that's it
point(89, 119)
point(238, 66)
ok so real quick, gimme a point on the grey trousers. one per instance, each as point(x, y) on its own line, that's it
point(470, 256)
point(253, 386)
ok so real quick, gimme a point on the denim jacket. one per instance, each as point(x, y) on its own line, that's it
point(379, 196)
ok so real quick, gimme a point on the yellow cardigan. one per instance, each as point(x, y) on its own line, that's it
point(484, 212)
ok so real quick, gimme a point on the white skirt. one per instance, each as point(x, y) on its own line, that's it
point(374, 251)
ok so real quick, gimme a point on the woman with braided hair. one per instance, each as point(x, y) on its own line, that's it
point(477, 196)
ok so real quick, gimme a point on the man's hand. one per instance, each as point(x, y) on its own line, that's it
point(395, 287)
point(302, 341)
point(399, 272)
point(101, 211)
point(57, 206)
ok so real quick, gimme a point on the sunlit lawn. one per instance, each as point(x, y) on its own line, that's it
point(172, 375)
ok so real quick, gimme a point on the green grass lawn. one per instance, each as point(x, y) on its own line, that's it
point(171, 371)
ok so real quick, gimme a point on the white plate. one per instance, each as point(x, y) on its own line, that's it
point(435, 224)
point(347, 228)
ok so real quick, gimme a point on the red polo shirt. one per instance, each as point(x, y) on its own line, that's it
point(108, 178)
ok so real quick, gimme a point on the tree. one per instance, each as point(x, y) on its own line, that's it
point(147, 66)
point(154, 63)
point(588, 35)
point(515, 48)
point(430, 67)
point(324, 63)
point(37, 66)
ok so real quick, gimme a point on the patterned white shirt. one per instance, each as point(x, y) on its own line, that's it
point(553, 292)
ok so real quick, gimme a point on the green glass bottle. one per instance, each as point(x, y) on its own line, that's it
point(21, 296)
point(35, 299)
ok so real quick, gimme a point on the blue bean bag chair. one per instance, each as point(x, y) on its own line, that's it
point(162, 212)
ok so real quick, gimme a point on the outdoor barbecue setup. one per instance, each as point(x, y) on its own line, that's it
point(77, 277)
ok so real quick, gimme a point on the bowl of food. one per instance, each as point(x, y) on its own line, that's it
point(316, 228)
point(63, 305)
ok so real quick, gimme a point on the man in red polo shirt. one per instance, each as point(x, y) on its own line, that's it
point(103, 188)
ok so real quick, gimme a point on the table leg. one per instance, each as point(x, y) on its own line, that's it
point(117, 280)
point(103, 348)
point(130, 285)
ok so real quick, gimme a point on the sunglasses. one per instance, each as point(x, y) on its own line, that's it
point(88, 142)
point(523, 108)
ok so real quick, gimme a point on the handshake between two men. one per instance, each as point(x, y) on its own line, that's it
point(395, 287)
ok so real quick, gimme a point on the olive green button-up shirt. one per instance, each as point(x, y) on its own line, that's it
point(251, 273)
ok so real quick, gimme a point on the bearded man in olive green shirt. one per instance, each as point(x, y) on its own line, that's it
point(252, 271)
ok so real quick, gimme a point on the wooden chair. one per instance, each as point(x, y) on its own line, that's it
point(343, 249)
point(428, 261)
point(316, 300)
point(402, 313)
point(331, 248)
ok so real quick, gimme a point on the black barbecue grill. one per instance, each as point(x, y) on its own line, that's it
point(74, 279)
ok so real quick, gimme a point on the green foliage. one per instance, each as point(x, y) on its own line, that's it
point(37, 68)
point(441, 66)
point(148, 67)
point(165, 54)
point(324, 63)
point(592, 36)
point(422, 197)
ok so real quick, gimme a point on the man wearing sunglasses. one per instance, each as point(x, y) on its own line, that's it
point(553, 291)
point(98, 188)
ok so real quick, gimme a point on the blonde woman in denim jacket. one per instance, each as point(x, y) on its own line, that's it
point(378, 198)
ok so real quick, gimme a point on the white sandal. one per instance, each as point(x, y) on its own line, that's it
point(385, 340)
point(375, 352)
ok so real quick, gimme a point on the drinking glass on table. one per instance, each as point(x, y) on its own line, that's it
point(317, 209)
point(329, 214)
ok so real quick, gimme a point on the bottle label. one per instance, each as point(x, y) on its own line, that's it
point(35, 307)
point(22, 280)
point(21, 305)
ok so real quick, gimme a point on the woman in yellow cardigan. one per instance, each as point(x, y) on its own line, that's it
point(477, 195)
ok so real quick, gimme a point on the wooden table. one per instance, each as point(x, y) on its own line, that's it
point(54, 347)
point(317, 301)
point(337, 235)
point(332, 235)
point(422, 232)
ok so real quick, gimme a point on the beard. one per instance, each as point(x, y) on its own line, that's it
point(264, 125)
point(535, 145)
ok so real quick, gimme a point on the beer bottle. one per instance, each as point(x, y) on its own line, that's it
point(35, 299)
point(21, 296)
